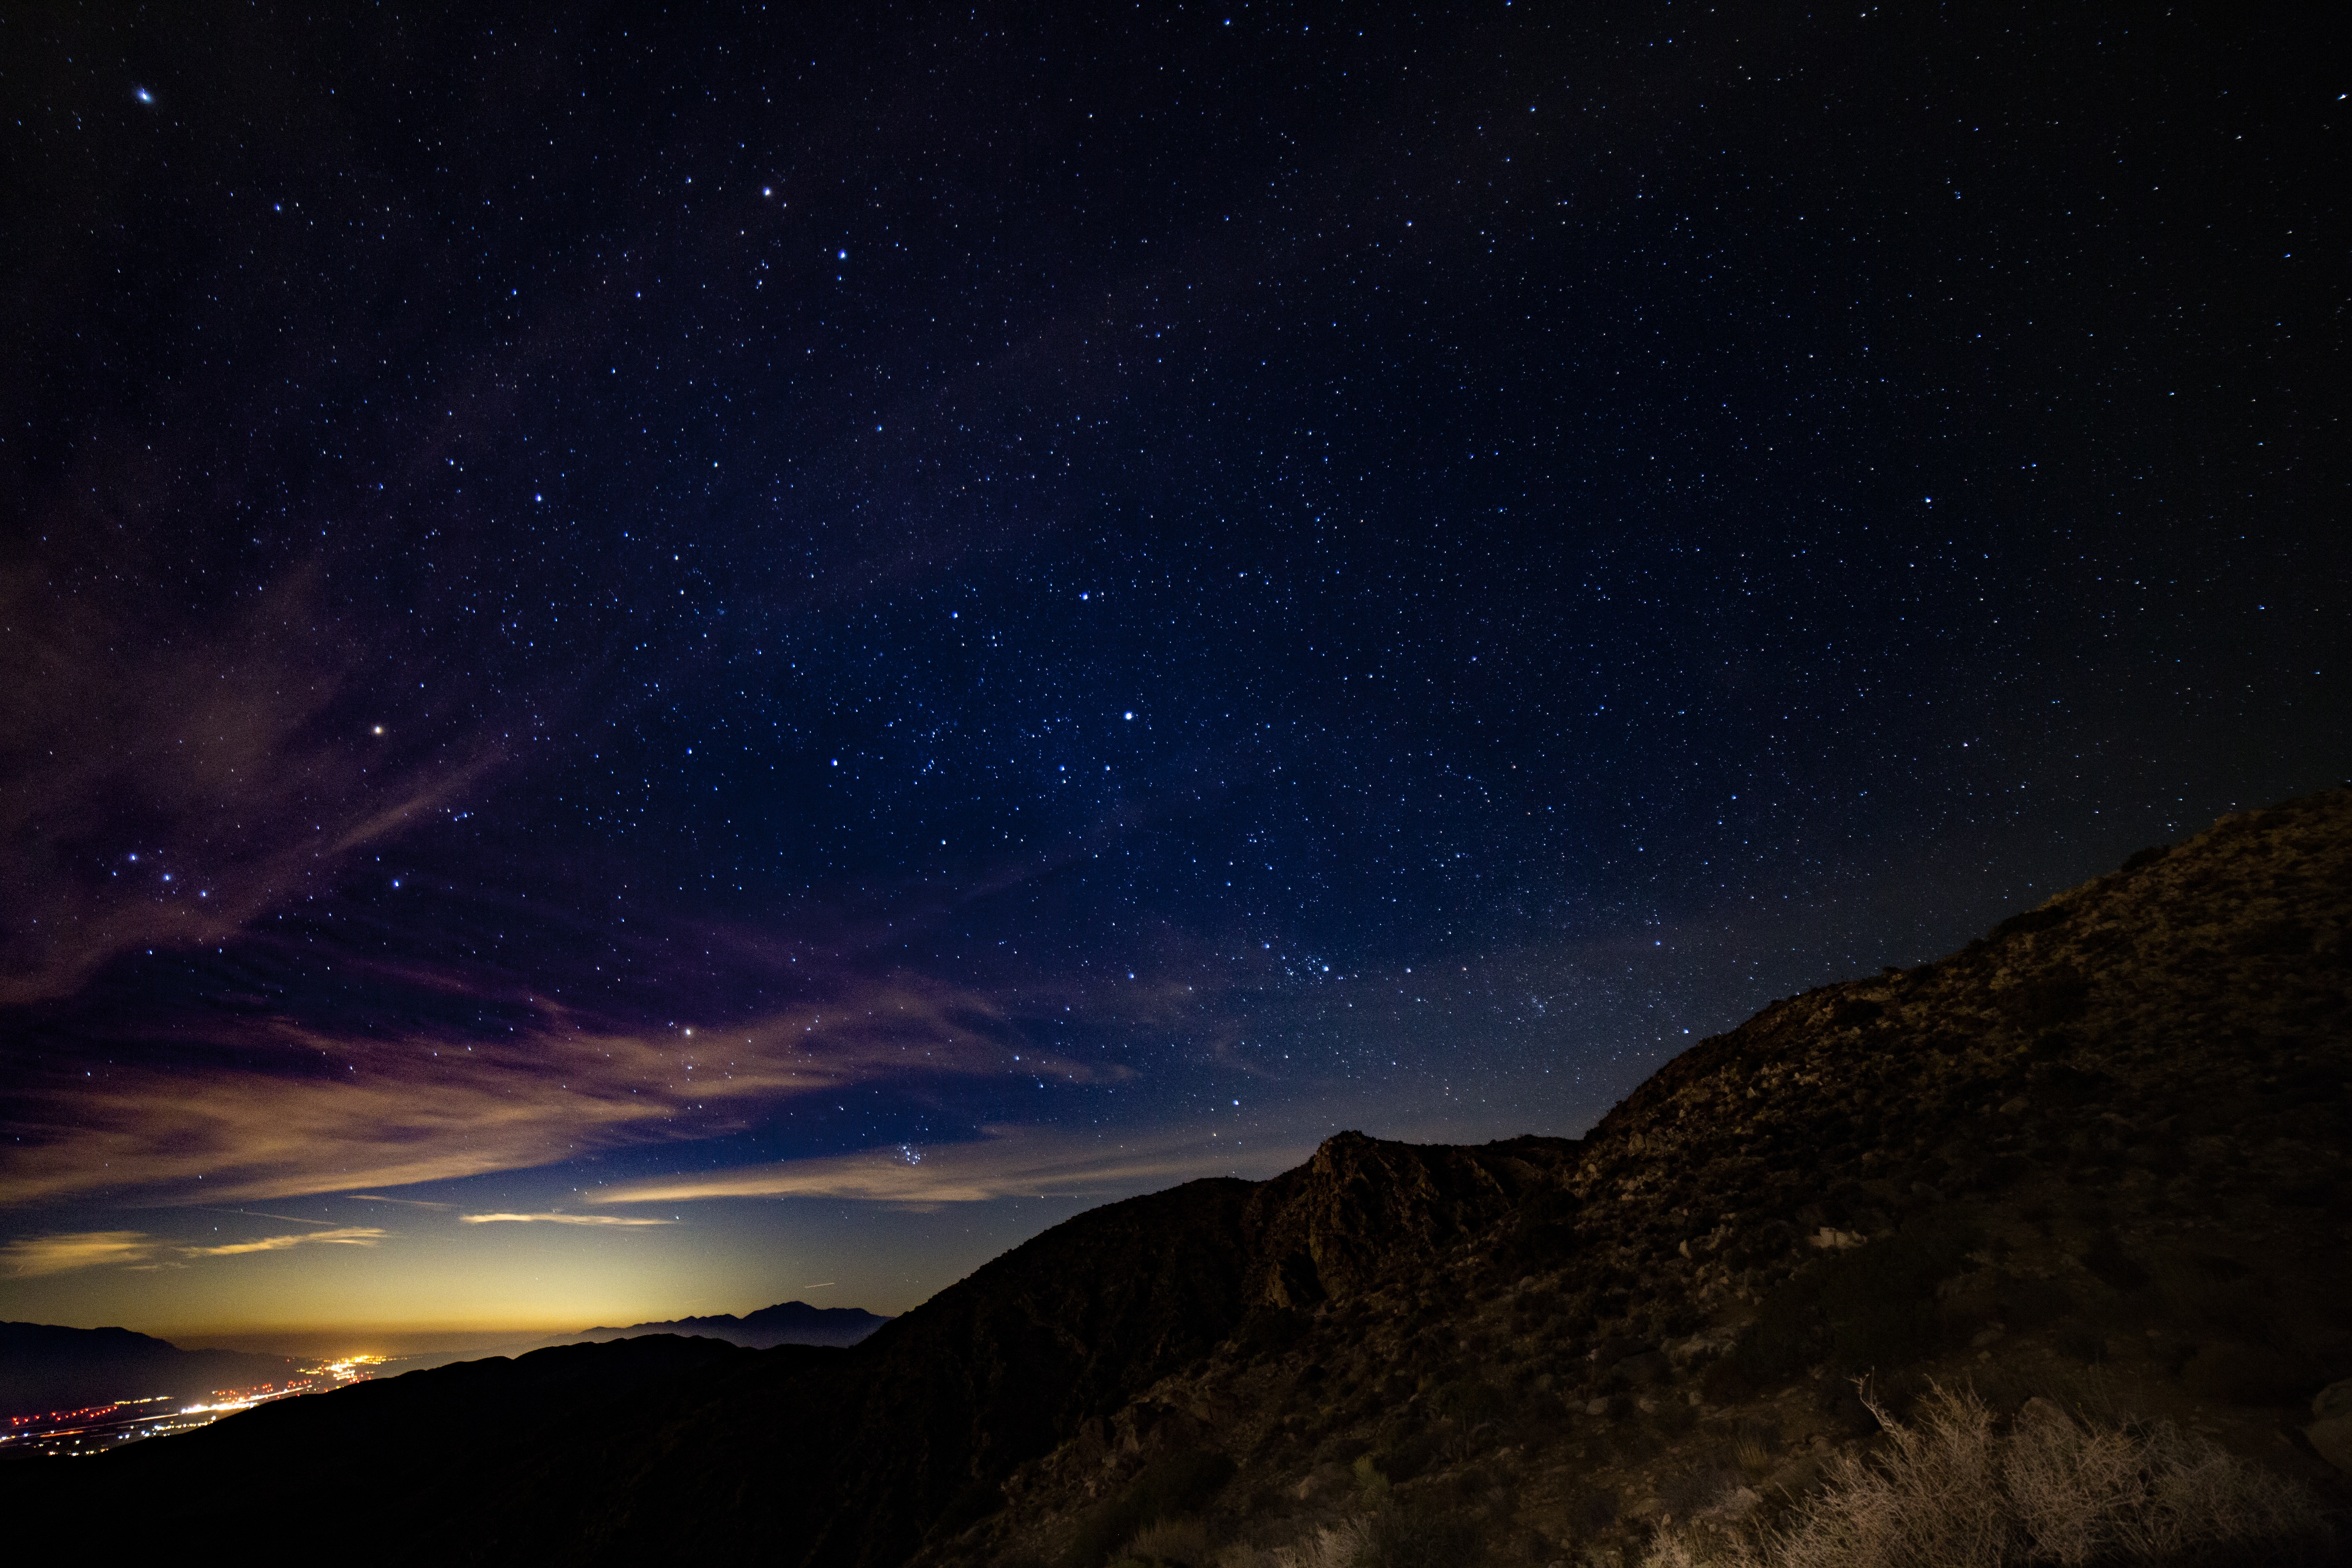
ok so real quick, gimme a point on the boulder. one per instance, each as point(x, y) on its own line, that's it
point(2331, 1427)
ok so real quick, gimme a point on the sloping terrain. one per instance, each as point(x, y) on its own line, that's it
point(2098, 1156)
point(2096, 1160)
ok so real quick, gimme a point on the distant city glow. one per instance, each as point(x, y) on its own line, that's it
point(93, 1429)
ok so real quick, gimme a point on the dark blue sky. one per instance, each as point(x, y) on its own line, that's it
point(1054, 582)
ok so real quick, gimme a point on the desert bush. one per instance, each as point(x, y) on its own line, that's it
point(1181, 1540)
point(1396, 1538)
point(1175, 1485)
point(1842, 1403)
point(1416, 1538)
point(1951, 1492)
point(1669, 1548)
point(1700, 1486)
point(1340, 1448)
point(1340, 1545)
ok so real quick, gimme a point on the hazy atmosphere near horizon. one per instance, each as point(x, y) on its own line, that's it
point(660, 663)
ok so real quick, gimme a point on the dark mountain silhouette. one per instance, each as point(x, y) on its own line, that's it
point(2094, 1163)
point(43, 1368)
point(787, 1323)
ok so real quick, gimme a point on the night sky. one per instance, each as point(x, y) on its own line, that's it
point(659, 663)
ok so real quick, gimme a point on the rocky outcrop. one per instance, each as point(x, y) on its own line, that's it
point(2331, 1425)
point(1362, 1209)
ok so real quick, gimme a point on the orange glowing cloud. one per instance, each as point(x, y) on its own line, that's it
point(28, 1257)
point(36, 1255)
point(555, 1219)
point(1009, 1162)
point(347, 1236)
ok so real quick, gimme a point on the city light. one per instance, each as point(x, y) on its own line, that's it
point(95, 1428)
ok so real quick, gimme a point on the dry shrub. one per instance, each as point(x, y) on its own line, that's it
point(1948, 1491)
point(1341, 1545)
point(1419, 1537)
point(1181, 1540)
point(1672, 1550)
point(1935, 1498)
point(1394, 1538)
point(1336, 1545)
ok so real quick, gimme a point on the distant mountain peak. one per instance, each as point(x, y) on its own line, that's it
point(785, 1324)
point(47, 1366)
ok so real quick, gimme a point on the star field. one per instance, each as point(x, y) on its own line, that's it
point(849, 631)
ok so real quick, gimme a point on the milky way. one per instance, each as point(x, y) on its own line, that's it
point(846, 636)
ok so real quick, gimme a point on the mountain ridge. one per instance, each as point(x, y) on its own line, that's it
point(785, 1324)
point(45, 1367)
point(2097, 1155)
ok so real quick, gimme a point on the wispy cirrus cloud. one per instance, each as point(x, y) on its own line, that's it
point(228, 756)
point(1008, 1162)
point(342, 1236)
point(556, 1219)
point(413, 1110)
point(32, 1256)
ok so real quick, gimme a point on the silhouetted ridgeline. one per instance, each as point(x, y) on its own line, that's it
point(2093, 1164)
point(45, 1368)
point(789, 1324)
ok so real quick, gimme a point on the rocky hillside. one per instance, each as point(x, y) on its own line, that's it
point(2094, 1163)
point(2097, 1156)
